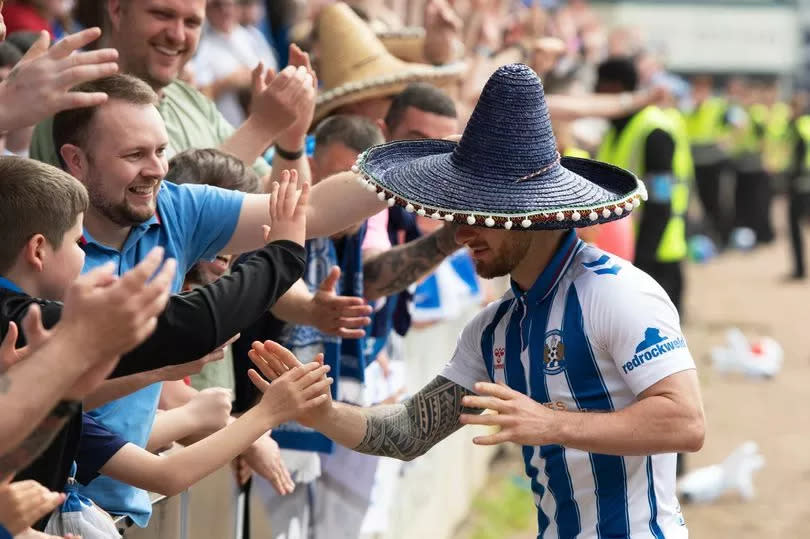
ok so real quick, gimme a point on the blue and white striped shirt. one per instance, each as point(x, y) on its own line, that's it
point(590, 335)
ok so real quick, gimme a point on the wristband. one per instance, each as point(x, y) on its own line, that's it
point(289, 156)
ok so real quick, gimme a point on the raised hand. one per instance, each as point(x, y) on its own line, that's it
point(173, 373)
point(24, 502)
point(274, 361)
point(35, 336)
point(39, 86)
point(342, 316)
point(113, 315)
point(288, 208)
point(264, 458)
point(442, 29)
point(278, 100)
point(294, 393)
point(210, 409)
point(294, 136)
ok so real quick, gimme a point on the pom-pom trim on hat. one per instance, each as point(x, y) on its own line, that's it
point(595, 214)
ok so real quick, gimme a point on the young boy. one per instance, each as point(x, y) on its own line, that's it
point(41, 209)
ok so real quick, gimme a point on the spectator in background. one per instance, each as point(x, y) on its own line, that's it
point(35, 16)
point(423, 111)
point(227, 55)
point(253, 18)
point(32, 15)
point(192, 119)
point(345, 42)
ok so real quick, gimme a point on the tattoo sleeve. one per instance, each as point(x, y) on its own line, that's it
point(408, 430)
point(395, 270)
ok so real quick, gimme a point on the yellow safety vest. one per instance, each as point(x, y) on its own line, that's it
point(685, 165)
point(577, 152)
point(705, 124)
point(777, 146)
point(626, 150)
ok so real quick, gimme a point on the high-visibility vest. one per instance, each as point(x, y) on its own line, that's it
point(683, 146)
point(705, 124)
point(777, 145)
point(576, 152)
point(626, 150)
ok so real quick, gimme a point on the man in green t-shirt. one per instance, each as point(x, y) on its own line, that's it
point(155, 39)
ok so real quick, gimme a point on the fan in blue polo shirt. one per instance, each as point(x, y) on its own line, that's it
point(118, 151)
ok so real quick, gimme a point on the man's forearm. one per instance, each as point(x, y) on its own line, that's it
point(572, 107)
point(652, 425)
point(31, 447)
point(403, 431)
point(170, 426)
point(32, 387)
point(396, 269)
point(280, 163)
point(294, 307)
point(337, 203)
point(249, 141)
point(116, 388)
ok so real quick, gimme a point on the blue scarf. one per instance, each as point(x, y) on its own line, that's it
point(344, 356)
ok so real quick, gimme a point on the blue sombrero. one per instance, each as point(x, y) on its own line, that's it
point(504, 172)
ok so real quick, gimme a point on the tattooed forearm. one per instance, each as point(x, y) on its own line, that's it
point(395, 270)
point(406, 431)
point(30, 448)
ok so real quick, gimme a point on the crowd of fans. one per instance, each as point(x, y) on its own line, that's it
point(143, 164)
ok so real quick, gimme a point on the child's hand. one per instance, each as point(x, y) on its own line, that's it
point(24, 502)
point(288, 209)
point(293, 393)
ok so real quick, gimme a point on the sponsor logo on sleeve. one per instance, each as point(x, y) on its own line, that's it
point(653, 347)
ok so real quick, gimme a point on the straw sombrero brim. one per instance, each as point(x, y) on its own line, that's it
point(385, 85)
point(424, 177)
point(407, 44)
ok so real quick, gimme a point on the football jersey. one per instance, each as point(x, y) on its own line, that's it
point(591, 334)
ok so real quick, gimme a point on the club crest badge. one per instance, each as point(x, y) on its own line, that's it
point(500, 354)
point(553, 353)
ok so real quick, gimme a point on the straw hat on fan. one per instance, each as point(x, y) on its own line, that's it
point(355, 65)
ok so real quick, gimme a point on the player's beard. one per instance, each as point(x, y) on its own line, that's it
point(506, 257)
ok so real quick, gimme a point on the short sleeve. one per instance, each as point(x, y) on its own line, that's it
point(209, 216)
point(467, 366)
point(97, 446)
point(376, 238)
point(637, 325)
